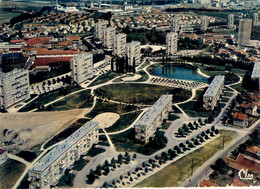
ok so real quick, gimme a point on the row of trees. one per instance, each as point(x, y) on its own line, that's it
point(122, 66)
point(186, 129)
point(106, 167)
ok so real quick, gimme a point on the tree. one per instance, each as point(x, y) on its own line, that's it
point(113, 182)
point(143, 164)
point(181, 132)
point(91, 176)
point(221, 166)
point(120, 158)
point(113, 161)
point(134, 156)
point(216, 131)
point(185, 128)
point(106, 163)
point(146, 170)
point(213, 128)
point(107, 170)
point(98, 170)
point(105, 185)
point(196, 142)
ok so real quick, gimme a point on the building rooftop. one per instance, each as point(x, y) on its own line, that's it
point(153, 111)
point(239, 183)
point(253, 150)
point(214, 86)
point(2, 151)
point(60, 149)
point(51, 60)
point(207, 183)
point(240, 116)
point(256, 71)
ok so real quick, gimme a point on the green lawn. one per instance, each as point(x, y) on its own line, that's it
point(187, 108)
point(198, 93)
point(82, 99)
point(10, 171)
point(174, 174)
point(142, 93)
point(238, 87)
point(104, 78)
point(47, 98)
point(224, 99)
point(123, 122)
point(146, 63)
point(110, 107)
point(144, 76)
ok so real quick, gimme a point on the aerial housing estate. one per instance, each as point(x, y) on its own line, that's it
point(152, 118)
point(213, 92)
point(47, 170)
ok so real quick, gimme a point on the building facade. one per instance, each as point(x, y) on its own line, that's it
point(14, 87)
point(99, 30)
point(244, 34)
point(175, 25)
point(133, 52)
point(3, 155)
point(255, 20)
point(204, 22)
point(108, 37)
point(171, 43)
point(47, 170)
point(119, 45)
point(81, 67)
point(231, 21)
point(256, 75)
point(213, 92)
point(152, 118)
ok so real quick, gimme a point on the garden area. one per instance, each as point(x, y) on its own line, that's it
point(10, 171)
point(141, 93)
point(104, 78)
point(82, 99)
point(123, 122)
point(39, 103)
point(103, 106)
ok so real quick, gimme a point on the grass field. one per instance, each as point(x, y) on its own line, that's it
point(66, 180)
point(123, 122)
point(46, 98)
point(110, 107)
point(140, 93)
point(10, 171)
point(104, 78)
point(187, 107)
point(175, 173)
point(75, 101)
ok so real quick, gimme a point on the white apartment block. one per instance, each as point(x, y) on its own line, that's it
point(204, 22)
point(46, 172)
point(171, 43)
point(213, 92)
point(99, 29)
point(153, 118)
point(133, 51)
point(244, 34)
point(231, 21)
point(14, 87)
point(81, 67)
point(256, 74)
point(255, 20)
point(119, 44)
point(175, 25)
point(108, 37)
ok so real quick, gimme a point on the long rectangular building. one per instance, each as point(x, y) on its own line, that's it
point(152, 118)
point(14, 87)
point(48, 169)
point(256, 74)
point(213, 92)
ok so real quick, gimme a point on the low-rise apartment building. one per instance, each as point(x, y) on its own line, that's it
point(48, 169)
point(14, 87)
point(152, 118)
point(213, 92)
point(81, 67)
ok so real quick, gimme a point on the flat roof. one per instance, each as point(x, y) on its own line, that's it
point(214, 86)
point(45, 161)
point(153, 111)
point(256, 71)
